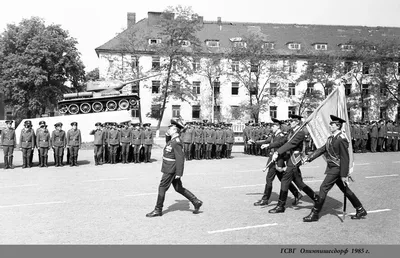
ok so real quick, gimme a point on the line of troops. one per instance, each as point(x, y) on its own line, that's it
point(43, 140)
point(375, 136)
point(125, 142)
point(206, 140)
point(254, 133)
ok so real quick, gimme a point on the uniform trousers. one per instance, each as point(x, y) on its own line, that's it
point(186, 147)
point(113, 149)
point(380, 143)
point(8, 150)
point(218, 147)
point(74, 151)
point(229, 146)
point(58, 151)
point(373, 144)
point(136, 148)
point(197, 146)
point(329, 181)
point(43, 151)
point(26, 153)
point(165, 183)
point(98, 151)
point(125, 150)
point(272, 172)
point(147, 149)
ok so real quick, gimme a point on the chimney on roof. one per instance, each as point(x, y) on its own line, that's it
point(219, 22)
point(131, 19)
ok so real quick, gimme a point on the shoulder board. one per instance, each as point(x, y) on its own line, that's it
point(343, 136)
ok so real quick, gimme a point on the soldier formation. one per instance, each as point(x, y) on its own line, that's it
point(375, 136)
point(206, 140)
point(125, 142)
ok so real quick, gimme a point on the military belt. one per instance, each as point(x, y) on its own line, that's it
point(168, 159)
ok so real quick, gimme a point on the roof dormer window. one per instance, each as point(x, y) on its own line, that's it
point(184, 43)
point(238, 42)
point(346, 47)
point(294, 46)
point(321, 46)
point(212, 43)
point(268, 45)
point(154, 41)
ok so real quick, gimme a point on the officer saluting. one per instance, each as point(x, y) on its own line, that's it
point(8, 141)
point(27, 140)
point(172, 169)
point(337, 170)
point(99, 143)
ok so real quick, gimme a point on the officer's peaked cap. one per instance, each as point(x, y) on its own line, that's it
point(177, 123)
point(335, 119)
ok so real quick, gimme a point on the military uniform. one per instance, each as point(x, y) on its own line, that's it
point(198, 141)
point(382, 134)
point(172, 166)
point(137, 141)
point(275, 141)
point(148, 142)
point(58, 141)
point(99, 142)
point(113, 139)
point(27, 141)
point(8, 141)
point(374, 136)
point(364, 137)
point(390, 135)
point(230, 140)
point(294, 147)
point(43, 144)
point(209, 139)
point(219, 142)
point(338, 161)
point(187, 138)
point(42, 125)
point(74, 141)
point(126, 135)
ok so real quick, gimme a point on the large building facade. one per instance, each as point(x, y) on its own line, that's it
point(222, 97)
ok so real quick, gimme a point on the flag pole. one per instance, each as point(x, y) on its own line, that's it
point(344, 201)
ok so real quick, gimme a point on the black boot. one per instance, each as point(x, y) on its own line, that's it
point(155, 213)
point(56, 161)
point(280, 207)
point(360, 213)
point(24, 159)
point(265, 198)
point(311, 194)
point(60, 159)
point(76, 161)
point(96, 162)
point(45, 161)
point(313, 216)
point(5, 162)
point(193, 199)
point(10, 162)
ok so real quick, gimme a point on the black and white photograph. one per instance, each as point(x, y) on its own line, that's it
point(258, 128)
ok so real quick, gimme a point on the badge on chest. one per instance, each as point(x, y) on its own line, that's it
point(168, 148)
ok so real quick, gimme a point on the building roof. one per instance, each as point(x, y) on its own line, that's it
point(280, 34)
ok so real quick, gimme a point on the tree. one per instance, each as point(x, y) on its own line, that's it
point(254, 66)
point(36, 63)
point(177, 27)
point(93, 75)
point(309, 100)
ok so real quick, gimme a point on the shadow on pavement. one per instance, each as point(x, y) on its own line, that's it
point(180, 205)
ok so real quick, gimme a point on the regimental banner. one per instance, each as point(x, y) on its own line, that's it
point(318, 122)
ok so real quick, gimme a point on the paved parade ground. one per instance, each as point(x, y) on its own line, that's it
point(107, 204)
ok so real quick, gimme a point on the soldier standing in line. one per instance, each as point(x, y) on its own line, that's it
point(74, 141)
point(125, 141)
point(198, 140)
point(137, 141)
point(219, 141)
point(8, 141)
point(337, 171)
point(357, 137)
point(374, 136)
point(381, 135)
point(276, 140)
point(113, 138)
point(246, 138)
point(58, 141)
point(396, 136)
point(148, 142)
point(294, 146)
point(106, 151)
point(41, 127)
point(27, 140)
point(172, 169)
point(203, 151)
point(209, 140)
point(99, 143)
point(390, 134)
point(230, 140)
point(130, 149)
point(43, 144)
point(187, 138)
point(364, 137)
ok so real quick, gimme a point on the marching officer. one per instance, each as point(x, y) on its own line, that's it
point(113, 139)
point(137, 141)
point(148, 142)
point(74, 141)
point(8, 141)
point(126, 135)
point(27, 140)
point(172, 169)
point(187, 138)
point(337, 171)
point(43, 144)
point(99, 143)
point(295, 147)
point(230, 140)
point(58, 141)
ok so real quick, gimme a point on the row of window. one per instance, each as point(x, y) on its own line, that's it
point(214, 43)
point(235, 112)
